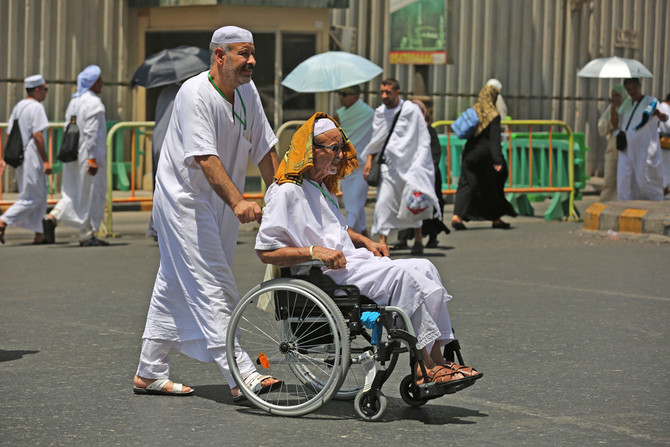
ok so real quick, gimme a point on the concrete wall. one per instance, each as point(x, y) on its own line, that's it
point(535, 47)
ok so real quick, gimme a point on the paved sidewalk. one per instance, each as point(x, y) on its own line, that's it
point(636, 216)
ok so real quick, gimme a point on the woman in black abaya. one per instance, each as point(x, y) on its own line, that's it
point(480, 194)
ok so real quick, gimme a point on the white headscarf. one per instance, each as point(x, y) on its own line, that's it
point(86, 79)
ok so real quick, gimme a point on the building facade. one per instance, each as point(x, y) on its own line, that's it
point(535, 47)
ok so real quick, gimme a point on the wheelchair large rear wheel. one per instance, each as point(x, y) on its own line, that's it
point(295, 334)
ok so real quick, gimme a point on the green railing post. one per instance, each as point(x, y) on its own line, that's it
point(572, 213)
point(110, 139)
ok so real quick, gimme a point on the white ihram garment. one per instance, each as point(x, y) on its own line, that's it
point(414, 285)
point(84, 196)
point(407, 161)
point(356, 121)
point(31, 204)
point(195, 292)
point(639, 171)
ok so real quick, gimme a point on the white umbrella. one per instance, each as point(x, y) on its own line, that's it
point(330, 71)
point(614, 67)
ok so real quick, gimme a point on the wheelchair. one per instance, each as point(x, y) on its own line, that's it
point(323, 341)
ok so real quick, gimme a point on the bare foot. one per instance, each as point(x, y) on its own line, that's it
point(142, 382)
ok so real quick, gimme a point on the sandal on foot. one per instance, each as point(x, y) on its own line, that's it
point(442, 376)
point(417, 249)
point(49, 230)
point(501, 225)
point(258, 385)
point(458, 226)
point(400, 245)
point(93, 242)
point(158, 388)
point(467, 371)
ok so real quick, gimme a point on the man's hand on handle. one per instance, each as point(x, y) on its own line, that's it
point(247, 211)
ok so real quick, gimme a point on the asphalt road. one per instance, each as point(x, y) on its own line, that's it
point(570, 330)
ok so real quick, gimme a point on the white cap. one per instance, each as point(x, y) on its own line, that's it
point(495, 83)
point(323, 125)
point(231, 34)
point(33, 81)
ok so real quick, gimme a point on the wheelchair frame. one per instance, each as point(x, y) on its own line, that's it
point(309, 324)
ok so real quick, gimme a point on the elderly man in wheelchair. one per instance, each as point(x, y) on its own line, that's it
point(302, 223)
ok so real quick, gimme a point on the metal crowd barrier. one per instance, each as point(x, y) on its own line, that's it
point(121, 166)
point(538, 164)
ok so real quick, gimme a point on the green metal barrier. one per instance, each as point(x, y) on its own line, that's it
point(580, 152)
point(53, 143)
point(123, 166)
point(539, 166)
point(120, 172)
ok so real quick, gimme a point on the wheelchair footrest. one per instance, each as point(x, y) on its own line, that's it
point(434, 390)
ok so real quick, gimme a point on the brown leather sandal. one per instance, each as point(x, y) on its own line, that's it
point(441, 375)
point(467, 371)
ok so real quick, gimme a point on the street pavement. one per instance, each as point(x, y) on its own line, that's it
point(570, 329)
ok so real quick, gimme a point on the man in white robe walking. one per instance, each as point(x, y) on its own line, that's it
point(217, 126)
point(355, 117)
point(84, 185)
point(640, 170)
point(407, 161)
point(31, 204)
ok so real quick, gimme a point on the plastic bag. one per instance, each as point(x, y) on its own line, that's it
point(465, 125)
point(414, 205)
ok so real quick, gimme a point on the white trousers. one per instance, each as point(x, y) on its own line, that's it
point(155, 360)
point(31, 204)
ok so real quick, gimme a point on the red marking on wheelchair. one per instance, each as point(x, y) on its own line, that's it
point(263, 360)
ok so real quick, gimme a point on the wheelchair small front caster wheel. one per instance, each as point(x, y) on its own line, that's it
point(409, 392)
point(370, 406)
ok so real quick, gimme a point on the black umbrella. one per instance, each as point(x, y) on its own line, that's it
point(171, 65)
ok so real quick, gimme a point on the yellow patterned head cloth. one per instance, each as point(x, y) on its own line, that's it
point(486, 107)
point(299, 158)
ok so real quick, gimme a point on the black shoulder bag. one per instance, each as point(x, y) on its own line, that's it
point(621, 141)
point(14, 149)
point(375, 171)
point(69, 148)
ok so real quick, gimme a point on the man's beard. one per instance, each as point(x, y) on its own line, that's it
point(231, 72)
